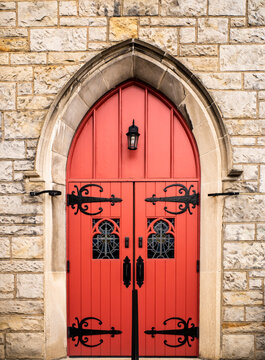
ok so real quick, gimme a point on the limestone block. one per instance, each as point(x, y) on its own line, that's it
point(244, 255)
point(6, 282)
point(236, 103)
point(29, 286)
point(18, 176)
point(260, 355)
point(261, 141)
point(70, 57)
point(24, 88)
point(13, 33)
point(16, 73)
point(23, 124)
point(221, 81)
point(7, 96)
point(20, 322)
point(255, 313)
point(260, 342)
point(4, 248)
point(213, 30)
point(255, 81)
point(172, 21)
point(247, 35)
point(261, 232)
point(243, 141)
point(256, 12)
point(20, 230)
point(98, 21)
point(183, 7)
point(243, 327)
point(58, 39)
point(100, 8)
point(234, 232)
point(257, 273)
point(23, 345)
point(262, 109)
point(250, 172)
point(235, 280)
point(14, 45)
point(63, 138)
point(4, 59)
point(187, 35)
point(7, 5)
point(24, 219)
point(251, 297)
point(21, 266)
point(140, 8)
point(8, 18)
point(249, 155)
point(255, 284)
point(74, 21)
point(12, 149)
point(238, 346)
point(40, 13)
point(245, 127)
point(6, 170)
point(11, 188)
point(233, 313)
point(97, 33)
point(238, 22)
point(122, 28)
point(262, 179)
point(50, 79)
point(227, 7)
point(68, 8)
point(201, 63)
point(198, 50)
point(242, 57)
point(21, 307)
point(35, 102)
point(30, 58)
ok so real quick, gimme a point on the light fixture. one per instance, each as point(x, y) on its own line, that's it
point(133, 136)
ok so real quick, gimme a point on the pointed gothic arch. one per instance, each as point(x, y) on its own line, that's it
point(134, 59)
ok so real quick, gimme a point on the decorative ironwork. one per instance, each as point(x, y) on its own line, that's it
point(189, 198)
point(50, 192)
point(229, 193)
point(106, 239)
point(140, 271)
point(127, 272)
point(79, 199)
point(184, 334)
point(81, 331)
point(160, 241)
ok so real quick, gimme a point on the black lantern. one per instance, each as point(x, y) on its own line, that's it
point(133, 136)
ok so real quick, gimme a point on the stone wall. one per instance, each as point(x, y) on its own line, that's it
point(43, 44)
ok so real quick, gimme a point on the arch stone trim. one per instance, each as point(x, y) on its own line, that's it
point(133, 59)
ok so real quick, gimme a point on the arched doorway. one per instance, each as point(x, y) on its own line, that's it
point(133, 229)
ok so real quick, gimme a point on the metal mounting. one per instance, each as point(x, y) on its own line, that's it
point(50, 192)
point(230, 193)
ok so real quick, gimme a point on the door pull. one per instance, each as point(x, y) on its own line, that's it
point(140, 242)
point(126, 242)
point(126, 272)
point(140, 271)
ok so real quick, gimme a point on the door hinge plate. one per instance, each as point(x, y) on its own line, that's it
point(68, 266)
point(198, 266)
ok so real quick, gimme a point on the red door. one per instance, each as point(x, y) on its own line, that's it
point(133, 225)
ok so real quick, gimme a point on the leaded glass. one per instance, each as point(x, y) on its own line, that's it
point(160, 241)
point(106, 238)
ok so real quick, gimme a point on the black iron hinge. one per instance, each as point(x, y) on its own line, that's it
point(198, 266)
point(68, 266)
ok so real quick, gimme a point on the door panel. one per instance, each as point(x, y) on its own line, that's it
point(170, 288)
point(96, 290)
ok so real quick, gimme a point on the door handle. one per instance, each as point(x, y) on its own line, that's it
point(140, 271)
point(126, 271)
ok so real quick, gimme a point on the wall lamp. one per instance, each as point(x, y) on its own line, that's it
point(133, 136)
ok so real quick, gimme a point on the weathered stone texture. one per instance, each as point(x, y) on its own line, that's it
point(213, 30)
point(249, 155)
point(255, 284)
point(201, 63)
point(21, 323)
point(58, 39)
point(260, 342)
point(12, 150)
point(187, 35)
point(27, 247)
point(14, 45)
point(97, 33)
point(123, 28)
point(7, 96)
point(253, 297)
point(198, 50)
point(234, 232)
point(245, 127)
point(139, 7)
point(99, 7)
point(227, 7)
point(28, 58)
point(29, 286)
point(40, 13)
point(23, 124)
point(6, 170)
point(233, 348)
point(256, 12)
point(233, 313)
point(261, 232)
point(4, 248)
point(255, 81)
point(183, 8)
point(236, 103)
point(22, 307)
point(34, 102)
point(244, 255)
point(21, 266)
point(221, 81)
point(7, 5)
point(255, 313)
point(6, 282)
point(7, 18)
point(242, 57)
point(22, 345)
point(247, 35)
point(68, 8)
point(235, 280)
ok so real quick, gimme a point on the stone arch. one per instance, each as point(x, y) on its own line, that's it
point(127, 60)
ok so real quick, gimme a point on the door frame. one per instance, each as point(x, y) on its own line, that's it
point(133, 59)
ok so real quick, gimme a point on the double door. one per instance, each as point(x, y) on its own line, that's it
point(133, 268)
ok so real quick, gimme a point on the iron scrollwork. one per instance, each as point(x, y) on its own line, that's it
point(79, 199)
point(188, 197)
point(82, 333)
point(187, 331)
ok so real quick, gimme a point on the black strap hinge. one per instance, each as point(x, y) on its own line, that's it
point(68, 266)
point(198, 266)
